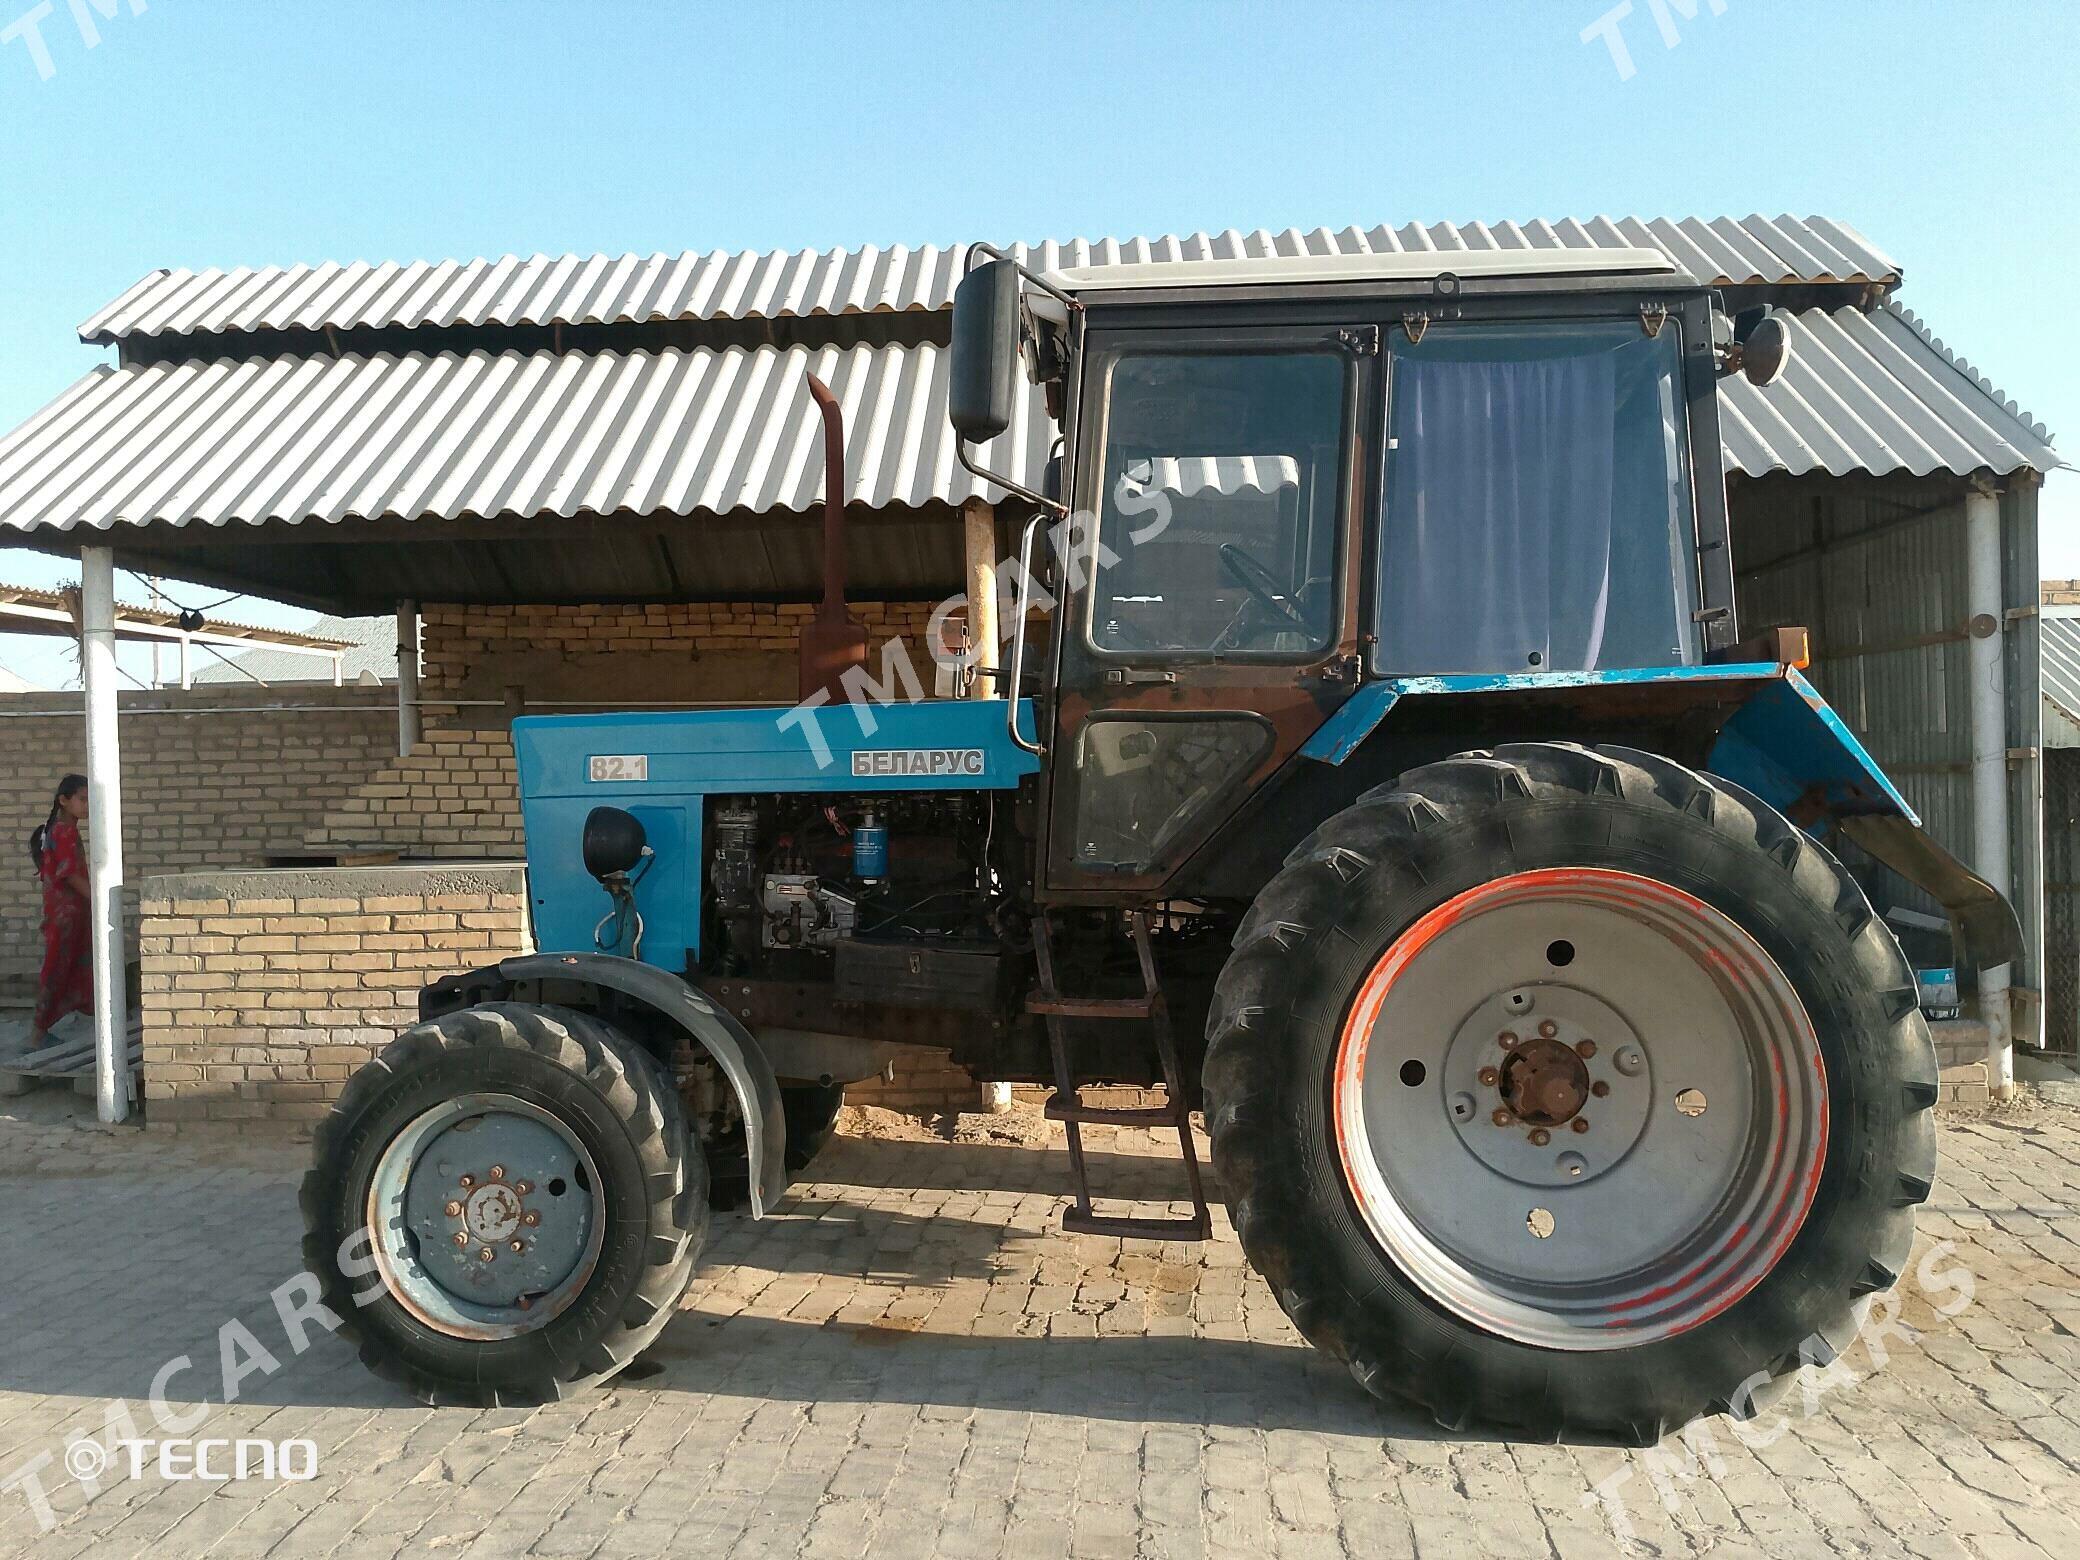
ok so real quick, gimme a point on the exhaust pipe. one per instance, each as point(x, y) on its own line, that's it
point(833, 642)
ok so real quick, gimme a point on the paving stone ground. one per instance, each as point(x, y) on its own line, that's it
point(912, 1361)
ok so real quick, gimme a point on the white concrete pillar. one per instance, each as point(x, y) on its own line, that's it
point(105, 832)
point(407, 678)
point(979, 545)
point(1986, 614)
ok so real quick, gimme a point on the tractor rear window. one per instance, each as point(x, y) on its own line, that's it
point(1538, 501)
point(1217, 524)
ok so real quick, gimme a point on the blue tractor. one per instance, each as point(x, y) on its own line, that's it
point(1389, 779)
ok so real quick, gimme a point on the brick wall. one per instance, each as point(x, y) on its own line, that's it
point(264, 991)
point(456, 797)
point(677, 651)
point(2061, 593)
point(214, 777)
point(925, 1080)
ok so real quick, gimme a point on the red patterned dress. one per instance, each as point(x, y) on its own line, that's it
point(66, 984)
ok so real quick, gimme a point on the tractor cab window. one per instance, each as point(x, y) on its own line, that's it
point(1217, 516)
point(1538, 513)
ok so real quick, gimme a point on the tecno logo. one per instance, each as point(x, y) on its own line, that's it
point(215, 1461)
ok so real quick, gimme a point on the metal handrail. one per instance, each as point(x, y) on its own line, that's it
point(1023, 603)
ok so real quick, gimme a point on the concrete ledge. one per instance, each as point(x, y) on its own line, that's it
point(274, 884)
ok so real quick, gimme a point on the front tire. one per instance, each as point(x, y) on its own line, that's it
point(1565, 1233)
point(504, 1207)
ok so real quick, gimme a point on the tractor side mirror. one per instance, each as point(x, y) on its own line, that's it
point(614, 841)
point(1766, 351)
point(983, 394)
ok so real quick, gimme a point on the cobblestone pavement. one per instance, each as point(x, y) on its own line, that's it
point(911, 1361)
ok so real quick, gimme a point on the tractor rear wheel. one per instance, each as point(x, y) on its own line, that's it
point(1571, 1091)
point(505, 1206)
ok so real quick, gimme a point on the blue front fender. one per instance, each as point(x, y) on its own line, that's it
point(1781, 741)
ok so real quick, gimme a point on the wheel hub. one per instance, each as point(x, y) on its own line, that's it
point(1533, 1089)
point(493, 1213)
point(1544, 1082)
point(488, 1216)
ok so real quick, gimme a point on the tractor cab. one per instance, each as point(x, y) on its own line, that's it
point(1287, 479)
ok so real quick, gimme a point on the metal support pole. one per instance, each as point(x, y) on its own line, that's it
point(105, 832)
point(1988, 705)
point(407, 678)
point(187, 670)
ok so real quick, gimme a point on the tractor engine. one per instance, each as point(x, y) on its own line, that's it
point(820, 887)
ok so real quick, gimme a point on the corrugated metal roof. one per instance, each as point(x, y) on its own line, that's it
point(1875, 393)
point(2059, 660)
point(451, 435)
point(752, 284)
point(700, 430)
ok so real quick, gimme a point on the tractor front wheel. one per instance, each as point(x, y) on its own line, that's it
point(1571, 1091)
point(505, 1206)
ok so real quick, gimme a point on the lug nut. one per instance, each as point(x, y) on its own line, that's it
point(518, 1245)
point(1585, 1049)
point(486, 1254)
point(530, 1219)
point(498, 1172)
point(1629, 1060)
point(1507, 1037)
point(468, 1181)
point(1540, 1137)
point(1547, 1028)
point(1581, 1123)
point(1599, 1088)
point(462, 1237)
point(454, 1210)
point(1489, 1076)
point(523, 1187)
point(1501, 1117)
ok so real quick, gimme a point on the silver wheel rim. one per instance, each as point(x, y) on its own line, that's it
point(1580, 1108)
point(487, 1217)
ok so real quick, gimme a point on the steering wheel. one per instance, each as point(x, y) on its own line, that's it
point(1262, 585)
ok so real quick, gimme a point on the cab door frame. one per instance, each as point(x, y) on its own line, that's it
point(1289, 696)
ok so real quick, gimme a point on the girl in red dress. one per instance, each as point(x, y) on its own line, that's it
point(66, 983)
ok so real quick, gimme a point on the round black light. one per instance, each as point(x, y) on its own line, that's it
point(614, 841)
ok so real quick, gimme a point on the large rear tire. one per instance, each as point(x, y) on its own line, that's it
point(532, 1202)
point(1570, 1091)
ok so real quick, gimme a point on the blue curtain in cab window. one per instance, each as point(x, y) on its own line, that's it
point(1531, 503)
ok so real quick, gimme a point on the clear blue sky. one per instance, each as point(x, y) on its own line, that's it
point(248, 132)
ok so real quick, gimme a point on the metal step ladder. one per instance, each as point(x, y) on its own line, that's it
point(1066, 1105)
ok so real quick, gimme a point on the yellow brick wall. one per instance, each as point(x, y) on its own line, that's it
point(676, 650)
point(211, 778)
point(925, 1080)
point(264, 992)
point(457, 797)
